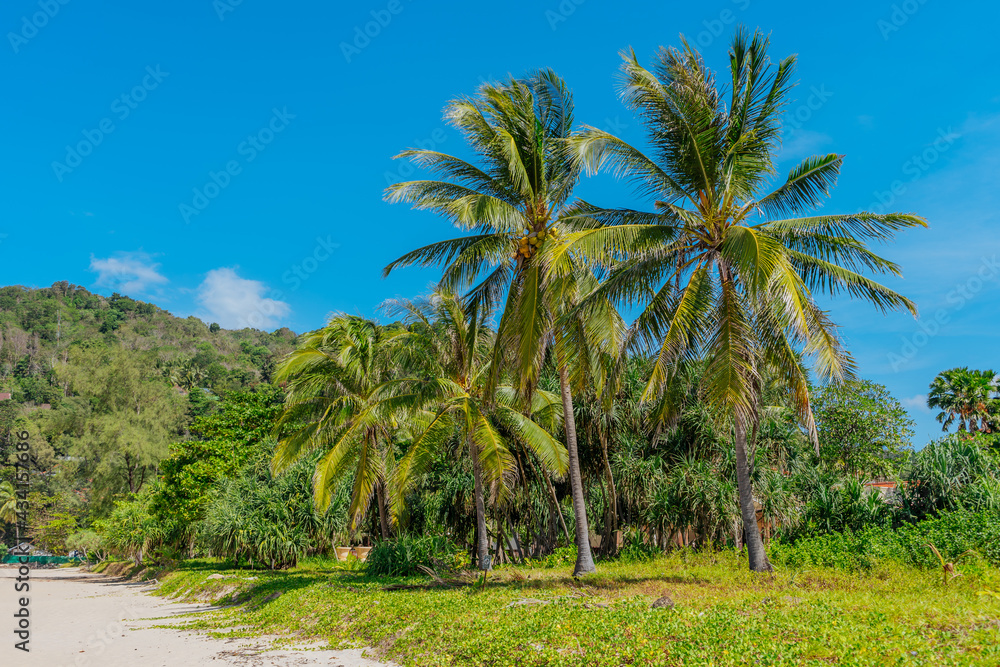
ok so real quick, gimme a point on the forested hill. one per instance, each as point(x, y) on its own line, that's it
point(105, 387)
point(41, 328)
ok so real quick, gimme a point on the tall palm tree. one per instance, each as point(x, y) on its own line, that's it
point(969, 396)
point(721, 270)
point(340, 399)
point(457, 346)
point(512, 198)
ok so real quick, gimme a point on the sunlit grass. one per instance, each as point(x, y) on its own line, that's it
point(724, 615)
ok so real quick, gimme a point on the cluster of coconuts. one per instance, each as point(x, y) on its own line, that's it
point(530, 242)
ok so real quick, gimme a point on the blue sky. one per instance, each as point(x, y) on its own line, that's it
point(226, 159)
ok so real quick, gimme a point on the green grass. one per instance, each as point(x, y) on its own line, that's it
point(889, 615)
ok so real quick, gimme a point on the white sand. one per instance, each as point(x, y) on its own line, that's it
point(87, 620)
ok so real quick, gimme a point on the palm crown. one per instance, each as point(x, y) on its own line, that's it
point(970, 396)
point(721, 270)
point(511, 199)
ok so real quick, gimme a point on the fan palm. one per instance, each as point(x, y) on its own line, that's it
point(722, 271)
point(969, 396)
point(340, 398)
point(457, 344)
point(512, 198)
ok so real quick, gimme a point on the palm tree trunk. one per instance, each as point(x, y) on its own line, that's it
point(754, 543)
point(612, 523)
point(555, 506)
point(555, 499)
point(383, 517)
point(584, 559)
point(482, 537)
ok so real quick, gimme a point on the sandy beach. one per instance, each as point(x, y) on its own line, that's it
point(78, 619)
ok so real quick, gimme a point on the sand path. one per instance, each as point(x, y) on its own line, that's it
point(87, 620)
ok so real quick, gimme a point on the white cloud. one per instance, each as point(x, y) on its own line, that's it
point(236, 302)
point(917, 403)
point(127, 272)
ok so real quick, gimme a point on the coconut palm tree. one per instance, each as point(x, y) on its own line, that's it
point(512, 198)
point(455, 341)
point(720, 269)
point(969, 396)
point(340, 399)
point(8, 503)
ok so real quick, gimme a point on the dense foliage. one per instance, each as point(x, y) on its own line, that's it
point(515, 414)
point(109, 390)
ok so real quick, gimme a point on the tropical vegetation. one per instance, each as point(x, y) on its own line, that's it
point(655, 390)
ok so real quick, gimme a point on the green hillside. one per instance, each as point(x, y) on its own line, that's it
point(105, 387)
point(39, 328)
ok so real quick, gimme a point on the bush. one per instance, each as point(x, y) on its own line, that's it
point(131, 530)
point(635, 550)
point(953, 534)
point(89, 542)
point(950, 474)
point(402, 556)
point(560, 557)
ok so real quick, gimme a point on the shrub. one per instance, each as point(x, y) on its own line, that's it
point(132, 530)
point(402, 556)
point(635, 550)
point(953, 534)
point(89, 542)
point(950, 474)
point(560, 557)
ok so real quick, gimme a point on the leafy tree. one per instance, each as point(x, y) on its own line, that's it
point(52, 532)
point(972, 397)
point(224, 443)
point(512, 197)
point(862, 428)
point(201, 402)
point(722, 271)
point(89, 542)
point(133, 416)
